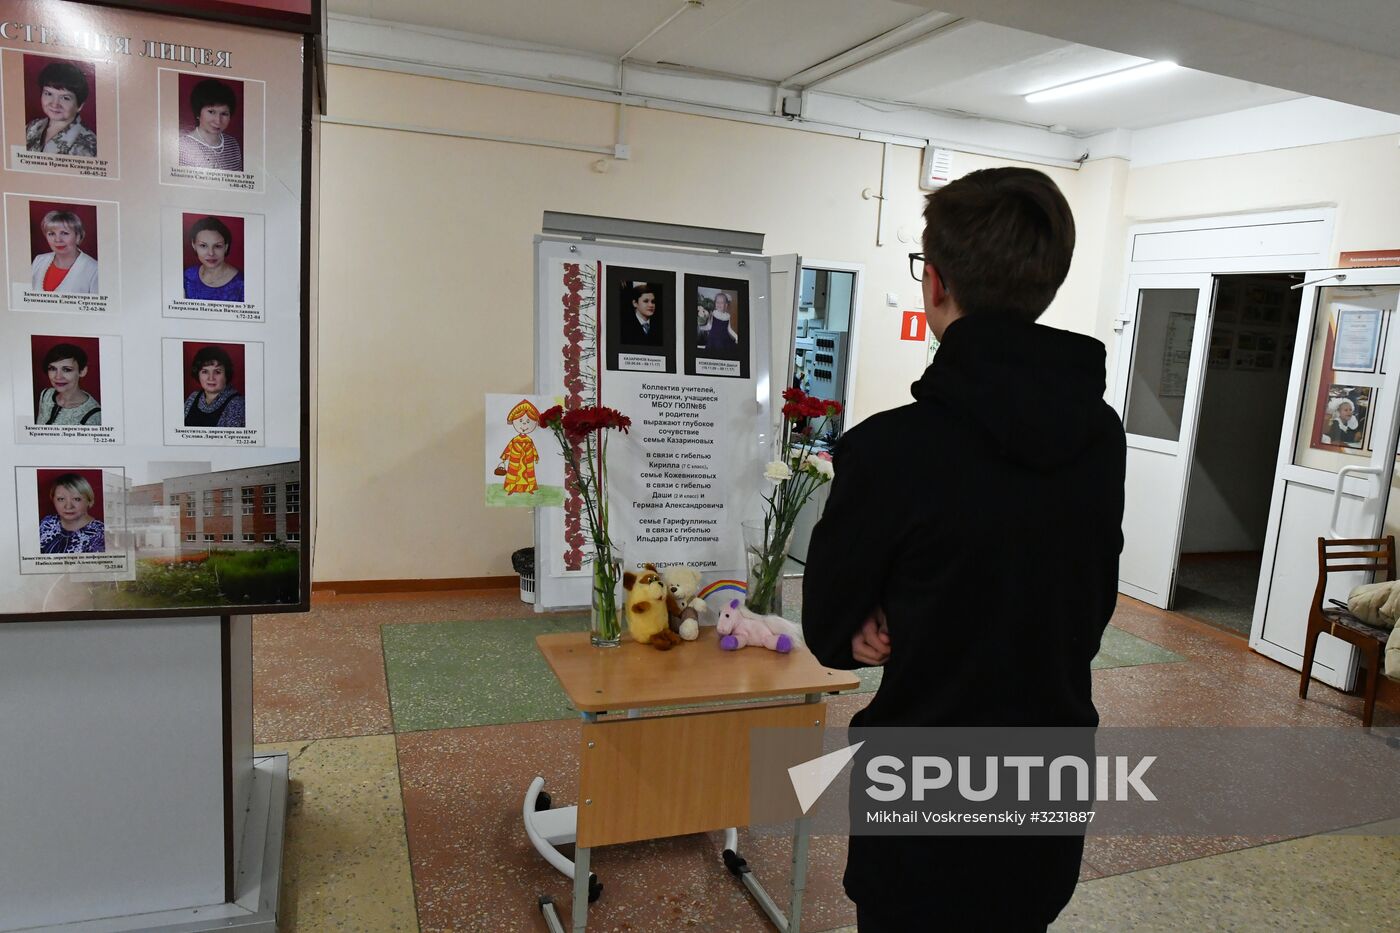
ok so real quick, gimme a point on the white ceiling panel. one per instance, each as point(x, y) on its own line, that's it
point(967, 66)
point(984, 69)
point(603, 27)
point(775, 39)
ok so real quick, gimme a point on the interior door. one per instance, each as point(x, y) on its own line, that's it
point(1334, 478)
point(1159, 373)
point(785, 278)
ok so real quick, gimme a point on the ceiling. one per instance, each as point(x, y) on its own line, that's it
point(981, 59)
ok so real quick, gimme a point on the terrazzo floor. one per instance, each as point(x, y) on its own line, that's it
point(414, 723)
point(1219, 589)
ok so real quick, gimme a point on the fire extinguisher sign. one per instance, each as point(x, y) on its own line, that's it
point(915, 326)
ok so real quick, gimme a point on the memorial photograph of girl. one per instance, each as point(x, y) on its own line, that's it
point(63, 89)
point(212, 277)
point(216, 403)
point(718, 331)
point(69, 525)
point(210, 143)
point(1345, 420)
point(65, 401)
point(65, 269)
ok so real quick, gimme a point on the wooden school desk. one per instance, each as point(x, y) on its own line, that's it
point(682, 772)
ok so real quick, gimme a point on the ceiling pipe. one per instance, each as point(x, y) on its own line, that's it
point(620, 148)
point(895, 40)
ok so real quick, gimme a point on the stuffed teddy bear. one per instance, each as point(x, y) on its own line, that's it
point(683, 603)
point(738, 627)
point(645, 604)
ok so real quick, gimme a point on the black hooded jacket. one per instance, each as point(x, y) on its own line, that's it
point(985, 519)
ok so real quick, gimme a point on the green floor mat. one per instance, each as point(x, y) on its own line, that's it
point(446, 675)
point(1119, 649)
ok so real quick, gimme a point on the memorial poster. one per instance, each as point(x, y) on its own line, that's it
point(153, 318)
point(678, 343)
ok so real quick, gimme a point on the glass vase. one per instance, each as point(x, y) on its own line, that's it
point(765, 551)
point(604, 617)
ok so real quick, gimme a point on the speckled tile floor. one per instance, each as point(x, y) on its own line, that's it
point(445, 800)
point(345, 854)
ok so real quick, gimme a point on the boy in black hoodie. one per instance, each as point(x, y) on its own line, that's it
point(971, 541)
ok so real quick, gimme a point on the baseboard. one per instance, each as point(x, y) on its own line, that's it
point(338, 587)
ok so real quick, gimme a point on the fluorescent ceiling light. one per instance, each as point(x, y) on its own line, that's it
point(1100, 82)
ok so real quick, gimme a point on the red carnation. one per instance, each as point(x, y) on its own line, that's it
point(792, 410)
point(793, 394)
point(551, 415)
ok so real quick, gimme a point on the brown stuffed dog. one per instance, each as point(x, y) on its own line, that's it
point(647, 621)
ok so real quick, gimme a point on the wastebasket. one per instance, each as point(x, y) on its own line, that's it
point(523, 561)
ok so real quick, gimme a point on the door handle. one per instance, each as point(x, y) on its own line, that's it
point(1119, 324)
point(1342, 475)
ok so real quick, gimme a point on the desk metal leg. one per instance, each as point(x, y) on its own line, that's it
point(580, 913)
point(799, 872)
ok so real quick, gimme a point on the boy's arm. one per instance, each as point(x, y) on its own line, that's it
point(850, 553)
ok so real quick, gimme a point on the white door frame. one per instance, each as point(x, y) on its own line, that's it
point(1156, 586)
point(1335, 664)
point(853, 333)
point(1270, 241)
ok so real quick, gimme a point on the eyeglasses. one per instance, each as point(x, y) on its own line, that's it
point(917, 261)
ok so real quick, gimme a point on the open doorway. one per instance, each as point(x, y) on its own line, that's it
point(827, 305)
point(1237, 442)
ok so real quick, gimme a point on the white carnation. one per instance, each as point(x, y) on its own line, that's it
point(777, 472)
point(824, 468)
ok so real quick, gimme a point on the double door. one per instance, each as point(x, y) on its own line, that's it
point(1335, 472)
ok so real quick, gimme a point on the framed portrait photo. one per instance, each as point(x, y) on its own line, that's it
point(62, 255)
point(718, 334)
point(60, 114)
point(639, 319)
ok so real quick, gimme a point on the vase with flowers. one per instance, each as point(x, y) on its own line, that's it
point(583, 436)
point(798, 472)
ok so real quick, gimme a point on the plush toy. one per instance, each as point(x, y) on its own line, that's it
point(683, 603)
point(738, 627)
point(647, 621)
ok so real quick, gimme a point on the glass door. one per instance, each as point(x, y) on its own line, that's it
point(1159, 373)
point(1336, 466)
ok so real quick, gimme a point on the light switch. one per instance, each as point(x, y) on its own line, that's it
point(892, 299)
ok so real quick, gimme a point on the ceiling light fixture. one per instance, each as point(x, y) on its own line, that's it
point(1100, 82)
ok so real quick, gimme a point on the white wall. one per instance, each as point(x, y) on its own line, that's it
point(426, 283)
point(1242, 413)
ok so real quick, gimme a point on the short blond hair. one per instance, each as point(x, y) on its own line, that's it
point(73, 482)
point(68, 219)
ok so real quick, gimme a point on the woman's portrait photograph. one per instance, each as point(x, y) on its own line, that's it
point(60, 110)
point(70, 512)
point(64, 248)
point(213, 257)
point(211, 122)
point(1345, 418)
point(214, 396)
point(67, 380)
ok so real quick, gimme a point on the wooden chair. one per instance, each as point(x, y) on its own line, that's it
point(1369, 555)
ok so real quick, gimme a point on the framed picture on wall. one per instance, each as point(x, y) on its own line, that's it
point(1358, 340)
point(1347, 416)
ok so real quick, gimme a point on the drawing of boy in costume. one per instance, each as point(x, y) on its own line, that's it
point(520, 456)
